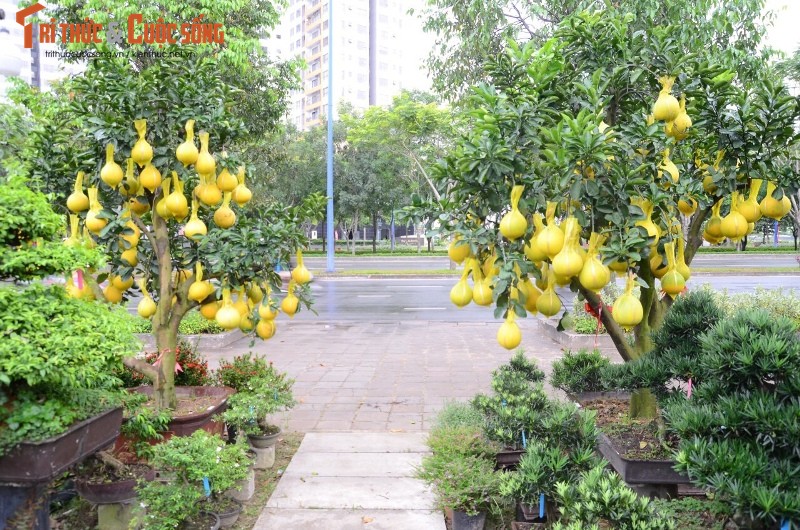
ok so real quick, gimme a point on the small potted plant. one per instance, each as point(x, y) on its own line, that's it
point(204, 468)
point(468, 484)
point(249, 409)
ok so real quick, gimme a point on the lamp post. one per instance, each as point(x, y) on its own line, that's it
point(329, 189)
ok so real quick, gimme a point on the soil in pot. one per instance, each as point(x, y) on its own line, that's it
point(102, 483)
point(635, 439)
point(225, 508)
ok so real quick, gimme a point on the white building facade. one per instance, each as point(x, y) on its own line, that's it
point(303, 32)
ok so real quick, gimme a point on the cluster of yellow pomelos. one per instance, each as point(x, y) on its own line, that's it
point(171, 203)
point(555, 249)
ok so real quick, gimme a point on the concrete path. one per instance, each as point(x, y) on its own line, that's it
point(346, 481)
point(367, 395)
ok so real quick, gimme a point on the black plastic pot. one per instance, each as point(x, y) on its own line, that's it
point(653, 478)
point(228, 518)
point(462, 521)
point(509, 458)
point(111, 492)
point(264, 441)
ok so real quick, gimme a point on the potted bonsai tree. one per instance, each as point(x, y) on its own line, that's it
point(170, 214)
point(201, 469)
point(249, 410)
point(461, 471)
point(59, 399)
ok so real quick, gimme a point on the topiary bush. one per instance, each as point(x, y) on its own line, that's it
point(676, 348)
point(580, 371)
point(740, 430)
point(600, 497)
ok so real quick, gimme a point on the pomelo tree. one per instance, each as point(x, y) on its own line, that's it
point(623, 131)
point(168, 212)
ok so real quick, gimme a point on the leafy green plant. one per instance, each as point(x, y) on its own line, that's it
point(739, 429)
point(543, 466)
point(579, 371)
point(514, 407)
point(193, 460)
point(143, 425)
point(588, 326)
point(261, 396)
point(463, 482)
point(598, 497)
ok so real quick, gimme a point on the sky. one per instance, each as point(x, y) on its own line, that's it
point(784, 34)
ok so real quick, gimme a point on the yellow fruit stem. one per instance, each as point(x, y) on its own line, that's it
point(73, 226)
point(755, 188)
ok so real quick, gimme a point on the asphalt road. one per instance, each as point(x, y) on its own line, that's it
point(428, 299)
point(347, 263)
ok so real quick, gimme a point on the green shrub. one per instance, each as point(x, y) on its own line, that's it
point(192, 324)
point(740, 429)
point(462, 482)
point(588, 326)
point(777, 302)
point(579, 371)
point(676, 348)
point(193, 459)
point(458, 414)
point(237, 373)
point(601, 497)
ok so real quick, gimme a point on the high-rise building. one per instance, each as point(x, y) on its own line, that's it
point(33, 65)
point(303, 32)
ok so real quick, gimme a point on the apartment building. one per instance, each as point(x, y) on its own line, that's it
point(400, 49)
point(31, 65)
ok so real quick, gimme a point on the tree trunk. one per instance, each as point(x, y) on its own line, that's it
point(419, 239)
point(643, 404)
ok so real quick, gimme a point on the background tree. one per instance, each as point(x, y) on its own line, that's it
point(469, 34)
point(414, 129)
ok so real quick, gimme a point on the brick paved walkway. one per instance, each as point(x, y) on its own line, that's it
point(385, 376)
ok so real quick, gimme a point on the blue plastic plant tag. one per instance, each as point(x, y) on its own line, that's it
point(503, 403)
point(541, 506)
point(786, 525)
point(206, 487)
point(524, 441)
point(276, 395)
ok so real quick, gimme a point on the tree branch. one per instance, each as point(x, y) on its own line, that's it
point(694, 239)
point(614, 330)
point(141, 367)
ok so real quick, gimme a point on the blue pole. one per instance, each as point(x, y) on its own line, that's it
point(331, 246)
point(775, 233)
